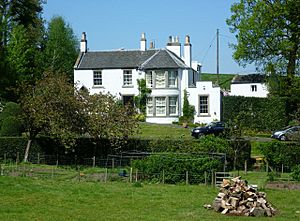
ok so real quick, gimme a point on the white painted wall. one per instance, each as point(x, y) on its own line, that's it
point(112, 81)
point(205, 88)
point(246, 90)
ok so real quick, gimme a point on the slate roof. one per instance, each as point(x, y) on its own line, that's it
point(247, 79)
point(150, 59)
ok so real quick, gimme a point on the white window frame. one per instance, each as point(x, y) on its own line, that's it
point(160, 106)
point(173, 105)
point(160, 79)
point(149, 79)
point(127, 78)
point(149, 107)
point(97, 78)
point(174, 78)
point(204, 105)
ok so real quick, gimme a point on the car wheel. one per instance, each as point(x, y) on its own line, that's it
point(282, 137)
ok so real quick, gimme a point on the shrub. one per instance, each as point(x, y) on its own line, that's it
point(11, 126)
point(296, 173)
point(172, 167)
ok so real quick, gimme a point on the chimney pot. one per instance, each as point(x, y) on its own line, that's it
point(187, 40)
point(152, 46)
point(143, 46)
point(176, 39)
point(83, 43)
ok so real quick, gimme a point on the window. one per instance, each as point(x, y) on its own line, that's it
point(149, 79)
point(127, 77)
point(203, 105)
point(172, 81)
point(253, 88)
point(173, 105)
point(160, 80)
point(160, 103)
point(97, 78)
point(149, 106)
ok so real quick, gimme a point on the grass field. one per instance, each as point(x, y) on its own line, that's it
point(33, 199)
point(164, 131)
point(224, 79)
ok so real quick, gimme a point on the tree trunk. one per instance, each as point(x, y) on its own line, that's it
point(27, 150)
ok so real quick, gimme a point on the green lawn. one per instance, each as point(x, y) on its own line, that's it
point(148, 130)
point(34, 199)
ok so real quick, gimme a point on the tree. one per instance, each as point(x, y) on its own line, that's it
point(52, 107)
point(268, 34)
point(141, 99)
point(10, 122)
point(187, 109)
point(13, 15)
point(61, 47)
point(106, 118)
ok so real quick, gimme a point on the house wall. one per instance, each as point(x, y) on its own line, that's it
point(112, 81)
point(204, 88)
point(246, 90)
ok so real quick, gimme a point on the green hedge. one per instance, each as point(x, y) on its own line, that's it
point(172, 168)
point(281, 153)
point(87, 148)
point(255, 113)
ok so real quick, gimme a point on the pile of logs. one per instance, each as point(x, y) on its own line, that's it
point(237, 198)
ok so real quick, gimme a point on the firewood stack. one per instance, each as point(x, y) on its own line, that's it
point(237, 198)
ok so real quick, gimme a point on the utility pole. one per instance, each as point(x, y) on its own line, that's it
point(218, 72)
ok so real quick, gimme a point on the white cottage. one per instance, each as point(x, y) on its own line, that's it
point(251, 85)
point(167, 71)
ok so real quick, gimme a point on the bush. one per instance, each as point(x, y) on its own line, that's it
point(11, 126)
point(296, 173)
point(175, 167)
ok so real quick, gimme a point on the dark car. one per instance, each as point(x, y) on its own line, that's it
point(289, 133)
point(215, 128)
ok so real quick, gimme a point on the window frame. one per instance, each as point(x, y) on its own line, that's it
point(127, 74)
point(253, 88)
point(163, 107)
point(172, 105)
point(97, 78)
point(149, 107)
point(206, 106)
point(175, 72)
point(160, 83)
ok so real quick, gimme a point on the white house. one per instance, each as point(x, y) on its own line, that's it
point(168, 72)
point(251, 85)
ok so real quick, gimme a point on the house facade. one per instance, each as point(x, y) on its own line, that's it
point(251, 85)
point(167, 71)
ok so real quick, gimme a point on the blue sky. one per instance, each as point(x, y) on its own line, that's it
point(114, 24)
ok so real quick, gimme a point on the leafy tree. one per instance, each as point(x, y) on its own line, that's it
point(141, 99)
point(61, 47)
point(267, 32)
point(15, 14)
point(52, 107)
point(106, 118)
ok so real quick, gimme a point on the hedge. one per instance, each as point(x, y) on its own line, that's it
point(87, 148)
point(281, 153)
point(255, 113)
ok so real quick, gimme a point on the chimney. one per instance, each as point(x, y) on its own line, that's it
point(152, 45)
point(174, 45)
point(187, 51)
point(83, 43)
point(143, 46)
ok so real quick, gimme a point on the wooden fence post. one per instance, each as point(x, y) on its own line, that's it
point(94, 161)
point(5, 158)
point(205, 178)
point(246, 167)
point(105, 178)
point(38, 158)
point(163, 176)
point(136, 175)
point(130, 176)
point(186, 177)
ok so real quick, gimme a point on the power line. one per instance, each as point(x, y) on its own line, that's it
point(214, 38)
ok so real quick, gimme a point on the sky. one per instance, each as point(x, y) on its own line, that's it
point(115, 24)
